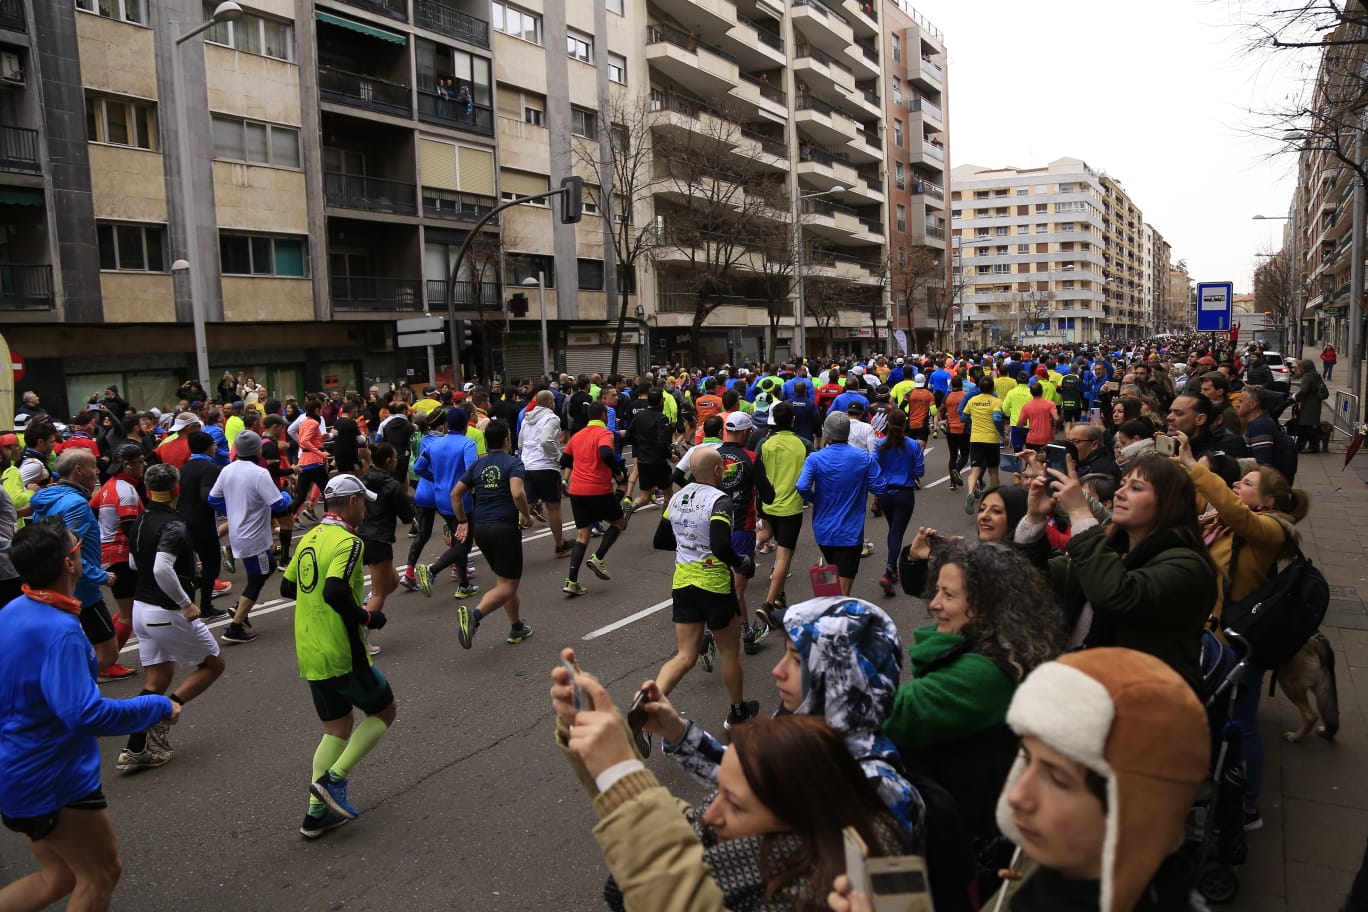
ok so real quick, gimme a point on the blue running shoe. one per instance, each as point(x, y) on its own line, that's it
point(333, 793)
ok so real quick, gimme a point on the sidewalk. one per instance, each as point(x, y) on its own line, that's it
point(1315, 794)
point(1340, 383)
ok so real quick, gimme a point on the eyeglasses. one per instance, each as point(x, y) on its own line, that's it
point(75, 549)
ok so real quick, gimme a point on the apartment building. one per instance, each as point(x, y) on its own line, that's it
point(917, 146)
point(1050, 255)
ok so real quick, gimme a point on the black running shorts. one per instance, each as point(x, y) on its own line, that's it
point(501, 545)
point(786, 529)
point(591, 508)
point(366, 690)
point(40, 827)
point(543, 485)
point(845, 557)
point(693, 605)
point(96, 623)
point(984, 455)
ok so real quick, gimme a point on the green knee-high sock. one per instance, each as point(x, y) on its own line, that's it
point(329, 749)
point(362, 741)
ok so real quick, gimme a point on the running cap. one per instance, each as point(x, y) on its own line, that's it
point(739, 421)
point(184, 420)
point(9, 440)
point(836, 428)
point(124, 452)
point(919, 381)
point(343, 486)
point(247, 444)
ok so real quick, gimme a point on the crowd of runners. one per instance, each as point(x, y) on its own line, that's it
point(152, 505)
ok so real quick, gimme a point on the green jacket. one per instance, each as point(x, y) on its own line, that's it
point(946, 701)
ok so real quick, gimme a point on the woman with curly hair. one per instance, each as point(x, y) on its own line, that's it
point(995, 621)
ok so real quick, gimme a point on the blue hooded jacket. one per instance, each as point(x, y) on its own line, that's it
point(72, 504)
point(441, 464)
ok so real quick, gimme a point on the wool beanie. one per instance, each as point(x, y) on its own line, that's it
point(1130, 718)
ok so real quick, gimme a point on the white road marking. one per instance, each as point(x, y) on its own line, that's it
point(629, 619)
point(936, 482)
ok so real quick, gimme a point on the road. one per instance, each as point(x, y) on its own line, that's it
point(467, 803)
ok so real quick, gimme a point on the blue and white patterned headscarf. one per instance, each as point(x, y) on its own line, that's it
point(852, 661)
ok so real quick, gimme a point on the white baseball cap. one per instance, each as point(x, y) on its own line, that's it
point(184, 420)
point(919, 380)
point(344, 485)
point(739, 421)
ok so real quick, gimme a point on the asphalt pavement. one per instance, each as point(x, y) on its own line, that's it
point(467, 803)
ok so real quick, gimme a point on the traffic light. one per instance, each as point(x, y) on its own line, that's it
point(572, 200)
point(467, 336)
point(517, 305)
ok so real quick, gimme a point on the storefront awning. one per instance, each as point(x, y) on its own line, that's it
point(13, 197)
point(363, 28)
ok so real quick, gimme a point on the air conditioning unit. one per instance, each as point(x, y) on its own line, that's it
point(10, 68)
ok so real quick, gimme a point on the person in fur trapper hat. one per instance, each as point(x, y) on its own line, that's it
point(1113, 747)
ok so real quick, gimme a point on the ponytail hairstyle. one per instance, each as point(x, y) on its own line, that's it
point(1293, 503)
point(896, 430)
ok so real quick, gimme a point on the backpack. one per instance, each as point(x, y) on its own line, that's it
point(1279, 617)
point(1070, 392)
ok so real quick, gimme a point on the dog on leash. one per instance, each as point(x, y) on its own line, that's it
point(1312, 672)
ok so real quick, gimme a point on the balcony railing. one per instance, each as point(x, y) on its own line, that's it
point(871, 96)
point(370, 194)
point(394, 9)
point(773, 93)
point(871, 138)
point(375, 293)
point(933, 150)
point(932, 70)
point(815, 53)
point(873, 183)
point(453, 112)
point(766, 36)
point(933, 231)
point(465, 295)
point(361, 91)
point(689, 41)
point(452, 204)
point(817, 6)
point(19, 150)
point(26, 287)
point(869, 49)
point(12, 15)
point(822, 156)
point(930, 189)
point(437, 16)
point(873, 226)
point(815, 206)
point(928, 107)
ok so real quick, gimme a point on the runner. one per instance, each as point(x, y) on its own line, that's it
point(778, 465)
point(594, 467)
point(650, 433)
point(696, 525)
point(197, 477)
point(165, 616)
point(443, 461)
point(391, 503)
point(983, 412)
point(118, 504)
point(539, 443)
point(837, 481)
point(496, 484)
point(245, 493)
point(325, 580)
point(275, 456)
point(312, 460)
point(738, 483)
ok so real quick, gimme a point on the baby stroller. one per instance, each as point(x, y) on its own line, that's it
point(1215, 840)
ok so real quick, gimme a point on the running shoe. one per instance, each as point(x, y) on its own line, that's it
point(373, 648)
point(116, 672)
point(228, 563)
point(315, 826)
point(214, 614)
point(221, 587)
point(768, 547)
point(408, 582)
point(595, 563)
point(538, 512)
point(412, 533)
point(643, 743)
point(309, 514)
point(969, 503)
point(597, 529)
point(867, 549)
point(628, 505)
point(1252, 820)
point(147, 758)
point(707, 656)
point(517, 634)
point(574, 587)
point(748, 639)
point(955, 480)
point(564, 548)
point(159, 736)
point(658, 499)
point(423, 574)
point(766, 616)
point(466, 590)
point(465, 627)
point(333, 793)
point(886, 584)
point(751, 709)
point(236, 633)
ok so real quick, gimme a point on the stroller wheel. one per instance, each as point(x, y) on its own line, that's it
point(1217, 883)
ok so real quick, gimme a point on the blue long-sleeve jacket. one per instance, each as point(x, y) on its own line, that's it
point(441, 464)
point(902, 467)
point(220, 444)
point(836, 480)
point(51, 711)
point(72, 504)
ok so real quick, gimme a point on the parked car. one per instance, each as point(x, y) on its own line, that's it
point(1282, 369)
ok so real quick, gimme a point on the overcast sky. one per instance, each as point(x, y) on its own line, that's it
point(1156, 94)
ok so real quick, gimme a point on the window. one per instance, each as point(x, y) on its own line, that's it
point(617, 68)
point(438, 63)
point(1023, 229)
point(899, 175)
point(1073, 206)
point(980, 194)
point(1066, 226)
point(1066, 188)
point(614, 6)
point(981, 251)
point(523, 266)
point(1000, 231)
point(1001, 250)
point(121, 122)
point(580, 47)
point(583, 122)
point(980, 213)
point(1002, 269)
point(519, 23)
point(902, 217)
point(897, 133)
point(983, 233)
point(256, 143)
point(897, 48)
point(897, 90)
point(1042, 229)
point(590, 275)
point(1042, 208)
point(626, 279)
point(1000, 192)
point(262, 254)
point(132, 248)
point(123, 10)
point(985, 270)
point(956, 214)
point(532, 115)
point(1023, 248)
point(252, 34)
point(1000, 211)
point(1023, 191)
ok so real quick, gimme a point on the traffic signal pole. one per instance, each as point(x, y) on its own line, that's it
point(571, 192)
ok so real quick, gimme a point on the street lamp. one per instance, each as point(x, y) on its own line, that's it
point(540, 283)
point(1294, 267)
point(801, 312)
point(228, 11)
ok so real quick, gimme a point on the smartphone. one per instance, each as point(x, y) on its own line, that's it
point(578, 694)
point(636, 716)
point(1095, 415)
point(1057, 457)
point(856, 856)
point(1111, 386)
point(939, 546)
point(899, 884)
point(1165, 445)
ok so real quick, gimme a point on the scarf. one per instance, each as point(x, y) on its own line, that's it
point(67, 603)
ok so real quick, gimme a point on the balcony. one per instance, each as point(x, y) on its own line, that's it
point(26, 287)
point(822, 24)
point(394, 9)
point(930, 74)
point(932, 190)
point(464, 295)
point(767, 91)
point(369, 194)
point(702, 68)
point(367, 92)
point(824, 121)
point(375, 293)
point(766, 37)
point(926, 107)
point(438, 17)
point(873, 226)
point(19, 150)
point(933, 151)
point(452, 204)
point(12, 15)
point(451, 112)
point(824, 68)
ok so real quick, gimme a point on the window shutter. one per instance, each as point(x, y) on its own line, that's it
point(476, 171)
point(437, 164)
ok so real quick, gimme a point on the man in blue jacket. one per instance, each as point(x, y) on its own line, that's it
point(837, 480)
point(443, 462)
point(52, 714)
point(69, 500)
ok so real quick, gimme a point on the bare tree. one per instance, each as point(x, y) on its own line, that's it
point(1034, 306)
point(1274, 293)
point(773, 244)
point(912, 271)
point(623, 158)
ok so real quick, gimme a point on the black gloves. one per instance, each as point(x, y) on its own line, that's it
point(376, 620)
point(746, 567)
